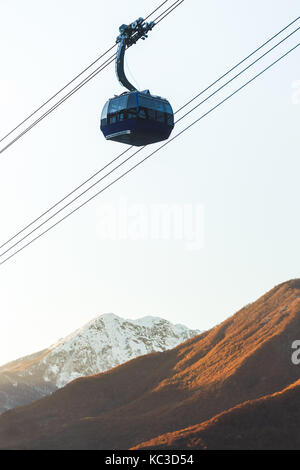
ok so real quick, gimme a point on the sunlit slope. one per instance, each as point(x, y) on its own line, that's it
point(268, 423)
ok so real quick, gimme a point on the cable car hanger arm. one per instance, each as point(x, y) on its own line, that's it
point(130, 34)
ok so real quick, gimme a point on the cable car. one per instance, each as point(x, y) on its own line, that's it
point(135, 117)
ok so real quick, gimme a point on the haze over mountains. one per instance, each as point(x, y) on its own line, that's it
point(103, 343)
point(234, 386)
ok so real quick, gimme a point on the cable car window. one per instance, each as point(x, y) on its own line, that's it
point(170, 119)
point(123, 102)
point(132, 100)
point(104, 112)
point(145, 101)
point(168, 108)
point(131, 113)
point(158, 105)
point(113, 106)
point(142, 113)
point(117, 104)
point(160, 116)
point(152, 103)
point(151, 114)
point(112, 118)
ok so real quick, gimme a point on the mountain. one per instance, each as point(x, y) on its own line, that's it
point(98, 346)
point(236, 364)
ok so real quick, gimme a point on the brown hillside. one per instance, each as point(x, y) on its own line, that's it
point(245, 358)
point(269, 423)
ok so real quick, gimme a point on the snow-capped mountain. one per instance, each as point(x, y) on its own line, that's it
point(101, 344)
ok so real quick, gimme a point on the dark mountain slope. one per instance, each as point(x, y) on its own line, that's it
point(19, 388)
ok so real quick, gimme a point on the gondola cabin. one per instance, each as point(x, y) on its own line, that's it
point(137, 118)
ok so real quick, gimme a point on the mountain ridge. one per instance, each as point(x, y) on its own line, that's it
point(102, 343)
point(245, 358)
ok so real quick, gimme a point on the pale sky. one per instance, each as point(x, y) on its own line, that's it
point(240, 165)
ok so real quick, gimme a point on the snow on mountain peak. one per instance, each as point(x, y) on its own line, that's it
point(108, 341)
point(148, 321)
